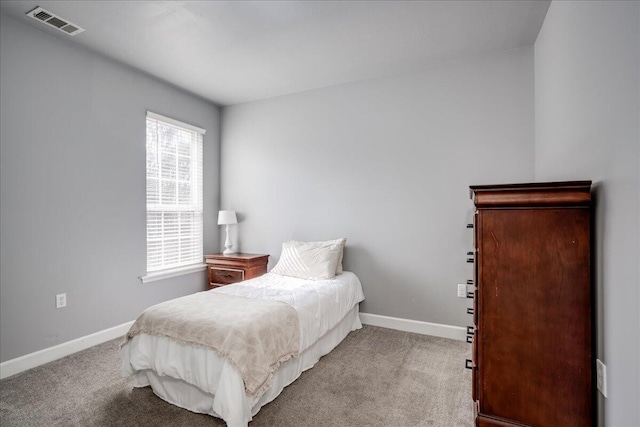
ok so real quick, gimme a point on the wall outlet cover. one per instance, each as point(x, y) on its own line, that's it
point(61, 300)
point(601, 377)
point(462, 290)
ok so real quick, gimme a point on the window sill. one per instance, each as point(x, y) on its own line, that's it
point(165, 274)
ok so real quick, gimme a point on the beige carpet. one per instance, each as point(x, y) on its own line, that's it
point(375, 377)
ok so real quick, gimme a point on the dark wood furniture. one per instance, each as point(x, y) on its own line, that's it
point(532, 335)
point(227, 269)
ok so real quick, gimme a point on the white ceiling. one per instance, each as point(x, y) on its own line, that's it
point(238, 51)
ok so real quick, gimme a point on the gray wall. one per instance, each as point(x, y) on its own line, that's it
point(386, 163)
point(587, 95)
point(73, 189)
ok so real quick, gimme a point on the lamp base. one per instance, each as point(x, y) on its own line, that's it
point(227, 243)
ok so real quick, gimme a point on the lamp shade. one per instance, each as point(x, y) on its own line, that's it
point(227, 217)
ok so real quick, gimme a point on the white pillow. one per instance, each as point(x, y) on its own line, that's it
point(340, 242)
point(308, 261)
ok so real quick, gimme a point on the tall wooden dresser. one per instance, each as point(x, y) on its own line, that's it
point(532, 334)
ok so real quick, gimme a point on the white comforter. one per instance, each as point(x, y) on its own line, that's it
point(320, 304)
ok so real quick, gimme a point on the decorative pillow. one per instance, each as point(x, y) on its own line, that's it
point(305, 261)
point(340, 242)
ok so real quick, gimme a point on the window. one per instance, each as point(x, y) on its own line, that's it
point(174, 195)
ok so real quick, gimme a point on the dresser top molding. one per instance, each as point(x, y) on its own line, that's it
point(530, 195)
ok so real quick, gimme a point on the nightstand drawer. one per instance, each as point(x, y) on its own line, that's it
point(225, 276)
point(234, 268)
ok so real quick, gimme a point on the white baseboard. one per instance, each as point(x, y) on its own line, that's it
point(28, 361)
point(31, 360)
point(415, 326)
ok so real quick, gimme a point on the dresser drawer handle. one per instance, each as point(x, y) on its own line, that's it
point(469, 225)
point(468, 363)
point(469, 282)
point(470, 330)
point(470, 295)
point(470, 254)
point(470, 339)
point(469, 310)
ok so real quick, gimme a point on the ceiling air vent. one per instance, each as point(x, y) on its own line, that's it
point(51, 19)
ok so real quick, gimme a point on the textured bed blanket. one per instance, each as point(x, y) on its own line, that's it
point(255, 335)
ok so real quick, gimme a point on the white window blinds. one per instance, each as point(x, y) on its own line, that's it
point(174, 193)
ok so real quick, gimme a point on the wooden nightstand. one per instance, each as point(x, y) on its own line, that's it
point(227, 269)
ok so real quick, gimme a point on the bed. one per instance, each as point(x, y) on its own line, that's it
point(202, 379)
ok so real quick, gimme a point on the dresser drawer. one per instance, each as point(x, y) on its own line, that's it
point(225, 276)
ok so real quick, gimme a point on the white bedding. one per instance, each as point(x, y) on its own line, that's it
point(200, 380)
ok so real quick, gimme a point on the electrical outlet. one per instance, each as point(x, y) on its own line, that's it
point(61, 300)
point(601, 377)
point(462, 290)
